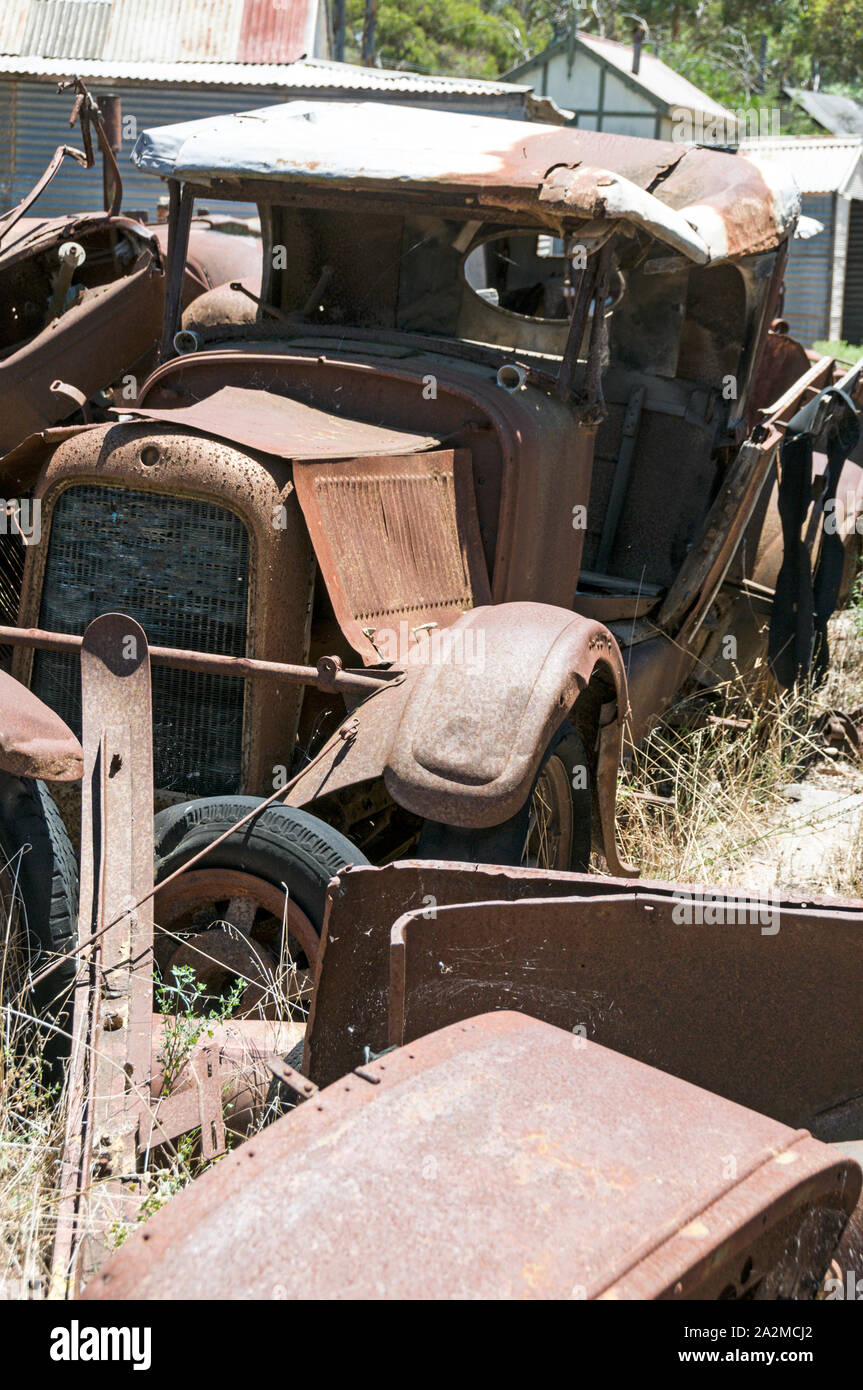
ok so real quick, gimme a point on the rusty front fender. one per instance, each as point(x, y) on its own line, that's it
point(34, 741)
point(461, 738)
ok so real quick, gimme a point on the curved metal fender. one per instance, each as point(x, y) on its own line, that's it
point(481, 714)
point(34, 741)
point(460, 738)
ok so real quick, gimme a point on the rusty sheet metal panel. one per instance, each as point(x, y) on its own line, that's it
point(277, 33)
point(159, 31)
point(351, 1000)
point(285, 427)
point(765, 1013)
point(504, 1159)
point(34, 741)
point(398, 544)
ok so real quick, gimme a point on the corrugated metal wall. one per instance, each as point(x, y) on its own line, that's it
point(6, 122)
point(173, 31)
point(275, 33)
point(809, 276)
point(41, 123)
point(852, 309)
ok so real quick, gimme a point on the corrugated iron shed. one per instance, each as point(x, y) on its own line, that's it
point(155, 31)
point(654, 76)
point(306, 75)
point(823, 287)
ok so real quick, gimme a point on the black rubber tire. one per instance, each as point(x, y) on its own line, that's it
point(281, 845)
point(32, 834)
point(504, 844)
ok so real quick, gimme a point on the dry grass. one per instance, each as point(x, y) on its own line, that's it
point(33, 1110)
point(729, 787)
point(31, 1133)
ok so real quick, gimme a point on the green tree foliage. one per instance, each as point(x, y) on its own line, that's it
point(717, 44)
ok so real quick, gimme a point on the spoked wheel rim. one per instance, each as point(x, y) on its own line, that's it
point(548, 844)
point(226, 924)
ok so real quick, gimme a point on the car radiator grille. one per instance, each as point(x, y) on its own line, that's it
point(180, 568)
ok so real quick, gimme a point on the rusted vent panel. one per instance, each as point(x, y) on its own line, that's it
point(398, 543)
point(180, 568)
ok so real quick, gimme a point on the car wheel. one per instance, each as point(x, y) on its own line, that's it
point(551, 831)
point(38, 905)
point(254, 908)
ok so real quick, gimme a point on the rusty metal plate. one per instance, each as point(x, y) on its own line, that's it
point(350, 1003)
point(768, 1018)
point(501, 1158)
point(285, 427)
point(398, 543)
point(111, 1051)
point(34, 741)
point(771, 1021)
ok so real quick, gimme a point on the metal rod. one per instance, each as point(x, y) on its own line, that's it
point(325, 676)
point(577, 324)
point(181, 204)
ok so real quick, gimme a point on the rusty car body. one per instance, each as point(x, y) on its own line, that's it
point(671, 1113)
point(82, 298)
point(409, 555)
point(430, 454)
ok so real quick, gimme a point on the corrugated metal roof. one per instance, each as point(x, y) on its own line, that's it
point(305, 75)
point(156, 31)
point(818, 165)
point(837, 113)
point(271, 31)
point(319, 73)
point(163, 31)
point(66, 28)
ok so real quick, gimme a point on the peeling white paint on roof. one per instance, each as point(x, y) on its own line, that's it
point(346, 140)
point(556, 173)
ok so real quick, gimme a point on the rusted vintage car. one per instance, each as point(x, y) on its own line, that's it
point(82, 298)
point(494, 459)
point(637, 1129)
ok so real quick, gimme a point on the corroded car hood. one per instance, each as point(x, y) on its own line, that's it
point(706, 204)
